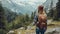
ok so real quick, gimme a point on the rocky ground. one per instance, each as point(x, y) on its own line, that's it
point(53, 28)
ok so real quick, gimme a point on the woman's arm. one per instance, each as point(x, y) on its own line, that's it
point(35, 20)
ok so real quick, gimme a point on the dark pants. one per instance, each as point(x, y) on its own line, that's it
point(40, 31)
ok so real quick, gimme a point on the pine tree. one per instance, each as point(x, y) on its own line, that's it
point(1, 17)
point(58, 9)
point(27, 17)
point(2, 20)
point(51, 9)
point(32, 16)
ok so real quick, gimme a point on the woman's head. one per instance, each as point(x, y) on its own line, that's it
point(40, 8)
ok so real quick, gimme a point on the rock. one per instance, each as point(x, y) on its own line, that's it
point(11, 32)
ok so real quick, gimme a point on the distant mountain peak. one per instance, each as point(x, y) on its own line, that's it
point(27, 6)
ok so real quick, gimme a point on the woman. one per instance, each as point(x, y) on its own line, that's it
point(40, 21)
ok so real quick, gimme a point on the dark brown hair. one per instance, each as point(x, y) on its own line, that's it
point(40, 8)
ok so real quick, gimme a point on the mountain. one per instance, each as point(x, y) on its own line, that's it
point(47, 4)
point(10, 16)
point(22, 6)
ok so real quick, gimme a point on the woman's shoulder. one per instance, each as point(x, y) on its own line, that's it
point(44, 13)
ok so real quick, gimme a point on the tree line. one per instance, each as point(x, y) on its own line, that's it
point(54, 12)
point(10, 20)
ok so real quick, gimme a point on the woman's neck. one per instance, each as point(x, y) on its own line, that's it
point(42, 12)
